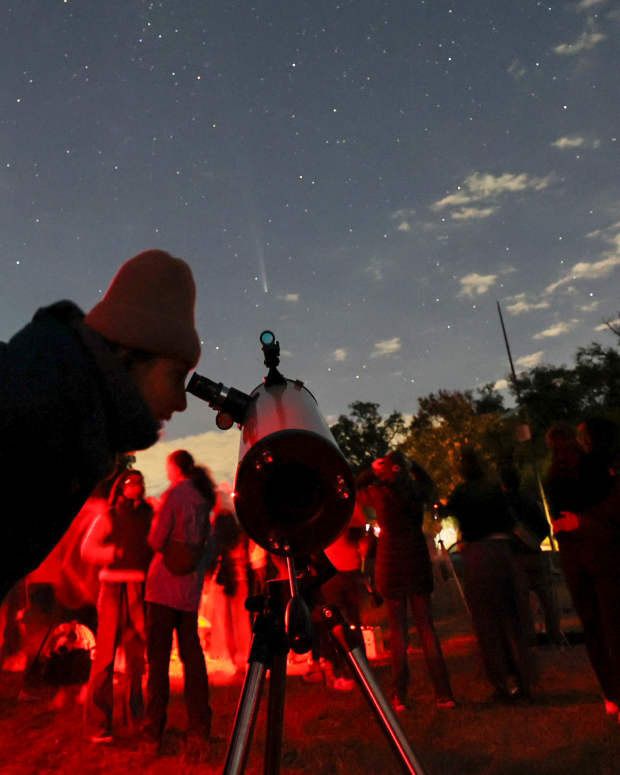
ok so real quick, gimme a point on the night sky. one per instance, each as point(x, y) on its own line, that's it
point(365, 178)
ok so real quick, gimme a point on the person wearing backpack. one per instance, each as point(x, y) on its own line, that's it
point(179, 537)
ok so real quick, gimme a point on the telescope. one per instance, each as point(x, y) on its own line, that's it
point(294, 494)
point(294, 491)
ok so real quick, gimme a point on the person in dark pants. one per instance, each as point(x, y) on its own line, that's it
point(117, 541)
point(403, 571)
point(491, 579)
point(584, 495)
point(179, 537)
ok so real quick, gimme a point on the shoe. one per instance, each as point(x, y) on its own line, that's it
point(343, 684)
point(610, 707)
point(446, 703)
point(103, 735)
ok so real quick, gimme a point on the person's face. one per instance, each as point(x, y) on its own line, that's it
point(385, 469)
point(161, 381)
point(133, 488)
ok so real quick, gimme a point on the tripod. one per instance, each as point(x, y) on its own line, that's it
point(278, 627)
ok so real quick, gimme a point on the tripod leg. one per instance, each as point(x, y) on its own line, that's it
point(244, 719)
point(275, 715)
point(350, 642)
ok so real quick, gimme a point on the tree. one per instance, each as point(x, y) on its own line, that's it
point(489, 400)
point(364, 435)
point(551, 394)
point(446, 422)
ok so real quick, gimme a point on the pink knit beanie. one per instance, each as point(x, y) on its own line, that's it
point(150, 306)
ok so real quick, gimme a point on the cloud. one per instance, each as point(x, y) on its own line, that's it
point(290, 297)
point(501, 384)
point(585, 5)
point(590, 307)
point(521, 305)
point(340, 354)
point(517, 70)
point(467, 213)
point(403, 215)
point(476, 284)
point(375, 268)
point(217, 450)
point(568, 142)
point(556, 330)
point(529, 361)
point(386, 347)
point(605, 326)
point(587, 270)
point(479, 187)
point(588, 39)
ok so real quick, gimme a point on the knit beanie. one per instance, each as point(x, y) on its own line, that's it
point(150, 306)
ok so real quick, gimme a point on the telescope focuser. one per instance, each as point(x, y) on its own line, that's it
point(230, 404)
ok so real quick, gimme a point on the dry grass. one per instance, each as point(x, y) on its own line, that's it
point(564, 731)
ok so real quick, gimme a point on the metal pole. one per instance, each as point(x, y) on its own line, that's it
point(539, 481)
point(350, 642)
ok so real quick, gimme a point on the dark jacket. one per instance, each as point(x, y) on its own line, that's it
point(403, 565)
point(68, 407)
point(131, 522)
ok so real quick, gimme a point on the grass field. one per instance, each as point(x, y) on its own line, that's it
point(563, 731)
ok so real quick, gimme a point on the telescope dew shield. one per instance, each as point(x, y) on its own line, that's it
point(294, 490)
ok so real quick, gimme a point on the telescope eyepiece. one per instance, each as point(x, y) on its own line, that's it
point(230, 404)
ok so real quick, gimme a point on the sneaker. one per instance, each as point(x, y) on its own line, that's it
point(103, 735)
point(446, 703)
point(343, 684)
point(611, 709)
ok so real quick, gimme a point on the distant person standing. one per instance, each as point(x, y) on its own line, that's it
point(492, 579)
point(229, 587)
point(584, 495)
point(403, 570)
point(179, 536)
point(117, 541)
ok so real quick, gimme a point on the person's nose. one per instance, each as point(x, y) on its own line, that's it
point(180, 400)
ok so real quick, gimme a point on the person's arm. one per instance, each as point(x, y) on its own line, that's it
point(93, 548)
point(162, 523)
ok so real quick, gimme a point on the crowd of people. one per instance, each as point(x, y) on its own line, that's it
point(96, 386)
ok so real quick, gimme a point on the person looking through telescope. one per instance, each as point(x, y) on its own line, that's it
point(78, 390)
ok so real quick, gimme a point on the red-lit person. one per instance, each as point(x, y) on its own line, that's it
point(117, 541)
point(179, 537)
point(583, 488)
point(230, 620)
point(77, 390)
point(403, 570)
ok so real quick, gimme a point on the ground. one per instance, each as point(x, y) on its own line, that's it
point(563, 731)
